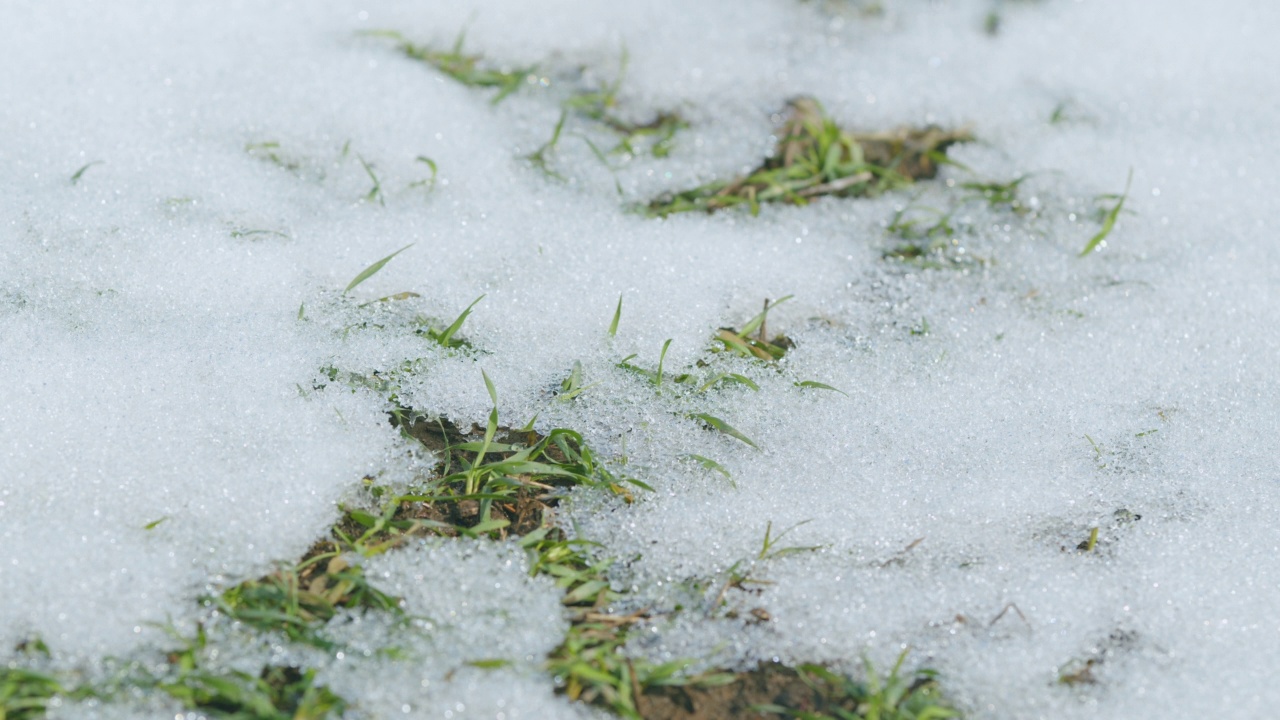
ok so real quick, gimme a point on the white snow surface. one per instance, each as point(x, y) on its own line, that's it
point(160, 354)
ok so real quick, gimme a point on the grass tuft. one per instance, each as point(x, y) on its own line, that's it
point(468, 69)
point(815, 157)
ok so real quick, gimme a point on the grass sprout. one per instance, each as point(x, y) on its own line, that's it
point(373, 269)
point(1109, 217)
point(298, 600)
point(429, 183)
point(468, 69)
point(741, 343)
point(269, 151)
point(446, 337)
point(716, 423)
point(75, 177)
point(24, 694)
point(815, 157)
point(375, 192)
point(276, 693)
point(617, 316)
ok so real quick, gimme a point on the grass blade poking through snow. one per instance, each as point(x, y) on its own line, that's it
point(617, 315)
point(80, 173)
point(445, 338)
point(815, 157)
point(1109, 220)
point(723, 427)
point(373, 270)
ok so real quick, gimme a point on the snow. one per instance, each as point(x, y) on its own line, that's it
point(155, 364)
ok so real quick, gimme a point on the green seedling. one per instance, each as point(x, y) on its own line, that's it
point(24, 694)
point(655, 377)
point(768, 551)
point(740, 342)
point(717, 424)
point(1092, 543)
point(446, 337)
point(589, 666)
point(814, 384)
point(241, 232)
point(155, 523)
point(467, 69)
point(276, 693)
point(75, 178)
point(599, 106)
point(1109, 217)
point(372, 270)
point(712, 465)
point(429, 183)
point(815, 157)
point(572, 386)
point(297, 601)
point(724, 377)
point(999, 194)
point(375, 192)
point(270, 152)
point(539, 157)
point(617, 316)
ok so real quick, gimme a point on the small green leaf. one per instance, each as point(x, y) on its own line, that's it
point(154, 523)
point(447, 335)
point(1109, 221)
point(709, 464)
point(435, 172)
point(723, 427)
point(373, 269)
point(80, 173)
point(820, 386)
point(489, 664)
point(488, 384)
point(661, 359)
point(617, 315)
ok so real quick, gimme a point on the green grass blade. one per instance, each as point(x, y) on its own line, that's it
point(723, 427)
point(617, 315)
point(488, 384)
point(373, 269)
point(709, 464)
point(445, 336)
point(80, 173)
point(661, 359)
point(755, 322)
point(820, 386)
point(1110, 221)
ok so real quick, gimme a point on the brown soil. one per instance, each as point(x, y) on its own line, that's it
point(748, 697)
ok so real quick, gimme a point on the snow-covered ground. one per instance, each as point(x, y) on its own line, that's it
point(164, 317)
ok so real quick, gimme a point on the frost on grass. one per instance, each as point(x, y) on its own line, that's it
point(170, 310)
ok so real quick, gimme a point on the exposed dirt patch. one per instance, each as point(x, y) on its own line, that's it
point(774, 690)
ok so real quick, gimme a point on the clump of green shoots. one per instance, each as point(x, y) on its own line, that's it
point(815, 157)
point(276, 693)
point(601, 107)
point(24, 694)
point(465, 68)
point(929, 235)
point(898, 696)
point(299, 600)
point(598, 108)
